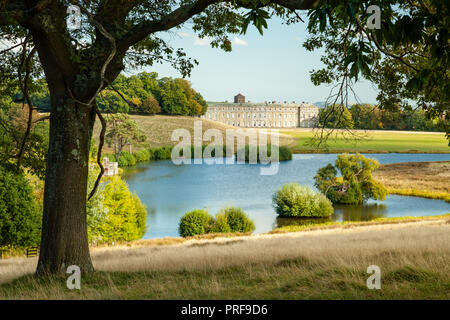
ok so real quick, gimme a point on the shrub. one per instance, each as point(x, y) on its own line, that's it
point(163, 153)
point(195, 222)
point(220, 224)
point(20, 216)
point(293, 200)
point(211, 154)
point(284, 153)
point(237, 220)
point(111, 157)
point(126, 159)
point(124, 216)
point(355, 185)
point(141, 216)
point(142, 156)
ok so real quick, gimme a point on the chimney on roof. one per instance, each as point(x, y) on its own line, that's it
point(239, 98)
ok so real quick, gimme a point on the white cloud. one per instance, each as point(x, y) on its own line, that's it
point(239, 42)
point(202, 41)
point(183, 34)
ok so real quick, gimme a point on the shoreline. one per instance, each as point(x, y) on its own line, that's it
point(294, 229)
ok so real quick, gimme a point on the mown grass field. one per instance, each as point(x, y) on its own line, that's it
point(159, 129)
point(371, 141)
point(320, 264)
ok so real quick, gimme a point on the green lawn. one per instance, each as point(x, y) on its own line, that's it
point(373, 142)
point(159, 131)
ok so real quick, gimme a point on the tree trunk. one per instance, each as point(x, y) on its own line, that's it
point(64, 230)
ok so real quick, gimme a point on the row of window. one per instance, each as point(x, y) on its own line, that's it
point(252, 109)
point(215, 116)
point(261, 116)
point(274, 124)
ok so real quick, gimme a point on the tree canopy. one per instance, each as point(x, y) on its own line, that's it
point(355, 185)
point(79, 61)
point(407, 57)
point(373, 117)
point(122, 131)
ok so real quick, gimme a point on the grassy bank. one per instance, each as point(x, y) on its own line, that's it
point(320, 264)
point(311, 225)
point(372, 141)
point(421, 179)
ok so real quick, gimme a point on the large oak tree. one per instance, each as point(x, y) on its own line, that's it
point(79, 63)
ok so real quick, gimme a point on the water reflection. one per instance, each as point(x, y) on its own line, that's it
point(342, 213)
point(365, 212)
point(169, 191)
point(284, 222)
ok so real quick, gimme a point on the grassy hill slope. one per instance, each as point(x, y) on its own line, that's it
point(159, 130)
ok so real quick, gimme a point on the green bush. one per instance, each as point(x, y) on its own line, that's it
point(220, 224)
point(284, 153)
point(195, 222)
point(212, 154)
point(122, 217)
point(20, 216)
point(151, 153)
point(163, 153)
point(111, 157)
point(199, 221)
point(355, 185)
point(293, 200)
point(126, 159)
point(142, 156)
point(237, 220)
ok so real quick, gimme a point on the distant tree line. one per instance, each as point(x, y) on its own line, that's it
point(143, 93)
point(371, 117)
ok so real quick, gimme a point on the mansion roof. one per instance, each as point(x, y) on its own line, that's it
point(263, 104)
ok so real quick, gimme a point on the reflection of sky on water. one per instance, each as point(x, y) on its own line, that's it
point(169, 191)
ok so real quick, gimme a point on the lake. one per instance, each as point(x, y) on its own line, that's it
point(169, 191)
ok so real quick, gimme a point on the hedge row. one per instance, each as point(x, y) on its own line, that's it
point(128, 159)
point(284, 153)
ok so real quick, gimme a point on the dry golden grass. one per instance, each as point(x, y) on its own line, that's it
point(413, 257)
point(159, 128)
point(336, 244)
point(426, 179)
point(354, 224)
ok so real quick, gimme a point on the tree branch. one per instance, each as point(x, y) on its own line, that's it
point(99, 152)
point(26, 97)
point(21, 15)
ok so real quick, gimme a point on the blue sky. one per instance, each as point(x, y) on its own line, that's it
point(274, 66)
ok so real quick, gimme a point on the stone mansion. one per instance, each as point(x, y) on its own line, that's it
point(269, 114)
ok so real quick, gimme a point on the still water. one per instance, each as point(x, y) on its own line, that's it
point(169, 191)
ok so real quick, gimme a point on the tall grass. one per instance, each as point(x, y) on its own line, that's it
point(419, 179)
point(309, 265)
